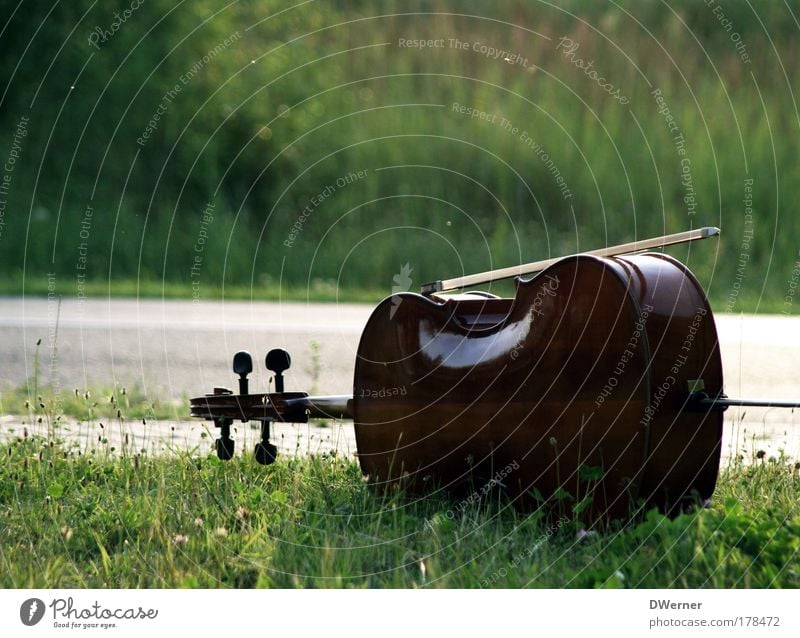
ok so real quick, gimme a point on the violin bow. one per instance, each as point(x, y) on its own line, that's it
point(443, 285)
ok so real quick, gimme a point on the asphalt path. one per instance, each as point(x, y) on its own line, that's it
point(181, 348)
point(171, 348)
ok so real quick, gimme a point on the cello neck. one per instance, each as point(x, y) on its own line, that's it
point(325, 407)
point(444, 285)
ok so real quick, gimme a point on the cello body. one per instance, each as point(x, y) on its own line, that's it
point(571, 395)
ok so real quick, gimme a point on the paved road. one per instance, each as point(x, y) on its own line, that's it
point(175, 348)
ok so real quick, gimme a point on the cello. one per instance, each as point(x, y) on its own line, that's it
point(598, 387)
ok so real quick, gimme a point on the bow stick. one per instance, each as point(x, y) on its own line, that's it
point(444, 285)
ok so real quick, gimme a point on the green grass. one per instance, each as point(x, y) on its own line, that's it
point(188, 520)
point(317, 291)
point(87, 405)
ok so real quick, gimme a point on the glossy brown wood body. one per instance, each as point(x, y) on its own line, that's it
point(587, 366)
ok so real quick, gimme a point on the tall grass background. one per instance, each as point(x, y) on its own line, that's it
point(308, 94)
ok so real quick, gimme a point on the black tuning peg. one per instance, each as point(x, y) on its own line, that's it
point(243, 365)
point(265, 452)
point(277, 361)
point(224, 445)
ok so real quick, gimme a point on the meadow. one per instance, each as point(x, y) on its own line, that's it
point(74, 519)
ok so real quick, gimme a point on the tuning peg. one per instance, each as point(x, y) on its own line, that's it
point(224, 448)
point(224, 445)
point(277, 361)
point(243, 365)
point(265, 452)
